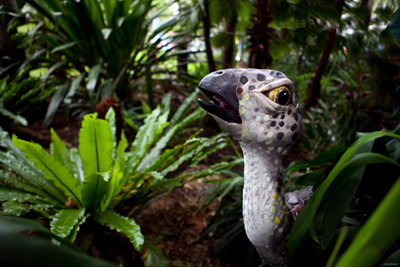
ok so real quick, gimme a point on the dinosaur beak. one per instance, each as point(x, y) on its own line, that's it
point(220, 88)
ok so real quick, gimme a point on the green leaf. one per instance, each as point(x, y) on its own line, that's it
point(92, 78)
point(7, 179)
point(60, 151)
point(312, 178)
point(110, 117)
point(94, 189)
point(394, 258)
point(114, 186)
point(12, 116)
point(33, 251)
point(72, 89)
point(54, 104)
point(62, 47)
point(77, 164)
point(123, 225)
point(14, 208)
point(9, 194)
point(53, 169)
point(155, 256)
point(377, 234)
point(95, 145)
point(65, 220)
point(338, 167)
point(122, 146)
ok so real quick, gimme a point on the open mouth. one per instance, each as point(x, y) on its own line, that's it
point(220, 108)
point(220, 88)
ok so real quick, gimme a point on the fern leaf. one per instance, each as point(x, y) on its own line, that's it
point(77, 164)
point(6, 113)
point(14, 160)
point(122, 146)
point(110, 117)
point(9, 194)
point(151, 158)
point(74, 232)
point(53, 169)
point(7, 179)
point(65, 220)
point(123, 225)
point(143, 140)
point(94, 189)
point(114, 186)
point(95, 145)
point(14, 208)
point(60, 151)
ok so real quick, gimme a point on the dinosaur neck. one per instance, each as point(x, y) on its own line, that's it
point(267, 222)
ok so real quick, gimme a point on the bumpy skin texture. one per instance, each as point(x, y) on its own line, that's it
point(266, 134)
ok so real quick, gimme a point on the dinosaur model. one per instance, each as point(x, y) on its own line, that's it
point(259, 109)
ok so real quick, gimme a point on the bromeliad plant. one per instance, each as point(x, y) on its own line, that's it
point(70, 186)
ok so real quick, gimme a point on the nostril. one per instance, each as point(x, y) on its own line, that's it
point(219, 72)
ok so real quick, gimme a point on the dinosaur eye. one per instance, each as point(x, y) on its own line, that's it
point(280, 95)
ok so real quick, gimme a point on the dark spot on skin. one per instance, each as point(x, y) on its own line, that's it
point(277, 128)
point(293, 127)
point(279, 75)
point(239, 90)
point(281, 123)
point(273, 124)
point(296, 116)
point(261, 77)
point(275, 116)
point(243, 79)
point(282, 117)
point(289, 112)
point(272, 73)
point(294, 137)
point(299, 111)
point(252, 87)
point(280, 135)
point(288, 145)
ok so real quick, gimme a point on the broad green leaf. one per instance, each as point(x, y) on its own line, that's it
point(324, 158)
point(110, 117)
point(394, 258)
point(122, 146)
point(12, 225)
point(312, 178)
point(77, 164)
point(53, 169)
point(95, 145)
point(338, 167)
point(123, 225)
point(65, 220)
point(74, 232)
point(155, 256)
point(72, 89)
point(14, 208)
point(114, 186)
point(377, 234)
point(94, 189)
point(60, 151)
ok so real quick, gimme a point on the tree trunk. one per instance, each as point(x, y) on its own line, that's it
point(314, 91)
point(260, 36)
point(206, 28)
point(228, 50)
point(366, 7)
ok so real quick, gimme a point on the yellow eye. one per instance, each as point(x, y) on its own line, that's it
point(280, 95)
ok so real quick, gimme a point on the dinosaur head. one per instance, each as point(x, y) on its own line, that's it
point(253, 105)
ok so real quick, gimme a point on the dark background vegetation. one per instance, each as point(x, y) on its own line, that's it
point(61, 60)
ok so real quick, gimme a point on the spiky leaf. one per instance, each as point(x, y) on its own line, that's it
point(9, 194)
point(53, 169)
point(14, 208)
point(65, 220)
point(123, 225)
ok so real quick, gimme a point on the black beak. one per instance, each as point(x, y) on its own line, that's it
point(220, 87)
